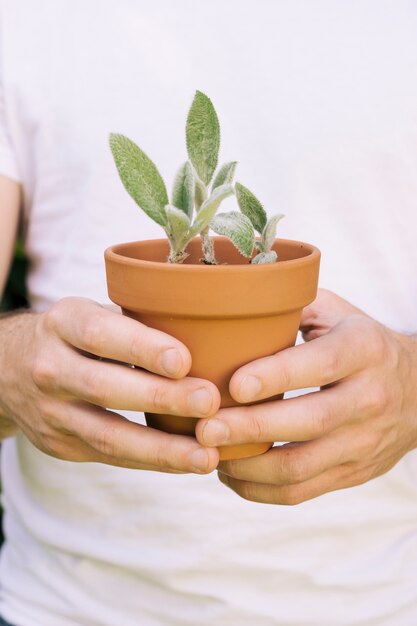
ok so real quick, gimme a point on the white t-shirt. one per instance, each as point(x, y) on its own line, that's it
point(318, 103)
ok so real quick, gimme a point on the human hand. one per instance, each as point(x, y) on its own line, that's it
point(361, 422)
point(54, 390)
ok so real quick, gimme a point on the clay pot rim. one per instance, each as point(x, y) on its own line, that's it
point(113, 253)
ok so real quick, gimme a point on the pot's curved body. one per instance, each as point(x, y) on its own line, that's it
point(227, 315)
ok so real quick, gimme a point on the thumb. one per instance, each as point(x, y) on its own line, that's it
point(327, 310)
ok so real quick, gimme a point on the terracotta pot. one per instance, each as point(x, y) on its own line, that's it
point(227, 315)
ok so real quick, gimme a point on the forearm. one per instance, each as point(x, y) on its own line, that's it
point(13, 328)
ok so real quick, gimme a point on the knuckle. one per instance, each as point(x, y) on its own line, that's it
point(48, 442)
point(376, 400)
point(46, 410)
point(299, 471)
point(53, 441)
point(160, 400)
point(44, 371)
point(96, 389)
point(105, 441)
point(363, 475)
point(371, 444)
point(378, 344)
point(53, 417)
point(365, 446)
point(285, 377)
point(58, 449)
point(331, 365)
point(256, 428)
point(52, 318)
point(161, 459)
point(292, 468)
point(322, 420)
point(55, 316)
point(136, 349)
point(93, 334)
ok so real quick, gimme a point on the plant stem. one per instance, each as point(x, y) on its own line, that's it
point(208, 248)
point(206, 241)
point(177, 256)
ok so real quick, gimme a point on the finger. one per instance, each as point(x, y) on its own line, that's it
point(327, 310)
point(325, 360)
point(113, 437)
point(302, 418)
point(333, 479)
point(115, 386)
point(68, 447)
point(294, 462)
point(92, 328)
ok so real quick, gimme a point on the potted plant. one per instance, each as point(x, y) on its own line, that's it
point(231, 298)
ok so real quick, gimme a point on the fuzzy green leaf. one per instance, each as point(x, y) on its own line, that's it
point(177, 227)
point(225, 174)
point(238, 228)
point(265, 257)
point(200, 192)
point(269, 232)
point(251, 207)
point(209, 208)
point(140, 177)
point(183, 192)
point(203, 136)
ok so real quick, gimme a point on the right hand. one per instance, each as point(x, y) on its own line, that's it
point(54, 389)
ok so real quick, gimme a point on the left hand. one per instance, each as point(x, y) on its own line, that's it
point(358, 426)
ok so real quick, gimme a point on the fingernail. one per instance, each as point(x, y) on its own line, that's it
point(199, 460)
point(171, 361)
point(215, 432)
point(249, 388)
point(201, 401)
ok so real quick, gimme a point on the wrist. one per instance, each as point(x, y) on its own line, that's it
point(407, 373)
point(15, 338)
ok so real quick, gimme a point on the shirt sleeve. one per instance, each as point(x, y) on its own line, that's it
point(8, 161)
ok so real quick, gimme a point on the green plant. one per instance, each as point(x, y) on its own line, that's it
point(196, 196)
